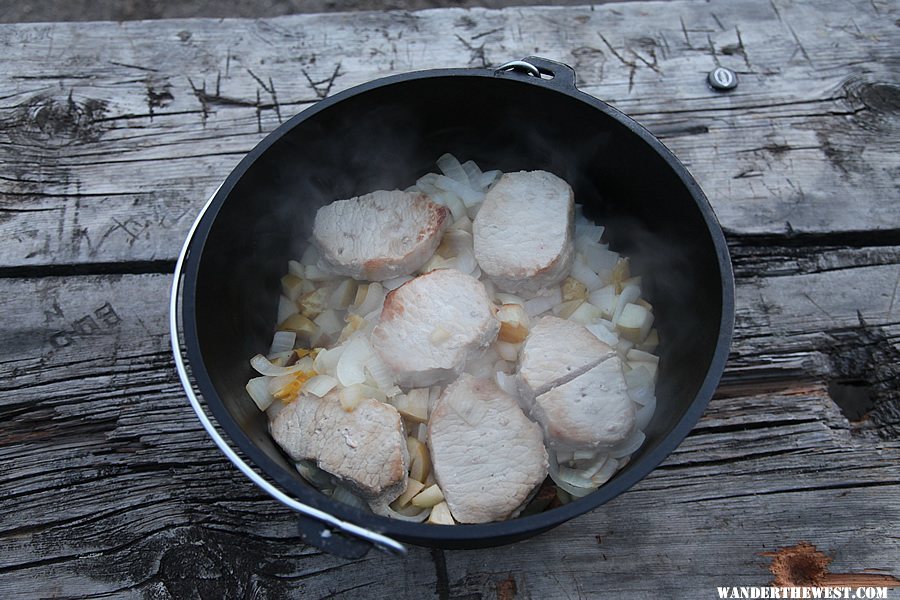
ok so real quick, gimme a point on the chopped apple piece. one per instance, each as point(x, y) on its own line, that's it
point(440, 515)
point(565, 310)
point(343, 294)
point(514, 323)
point(605, 300)
point(653, 367)
point(305, 329)
point(508, 351)
point(586, 313)
point(315, 302)
point(650, 342)
point(413, 487)
point(419, 460)
point(635, 322)
point(428, 497)
point(294, 287)
point(572, 289)
point(620, 273)
point(413, 405)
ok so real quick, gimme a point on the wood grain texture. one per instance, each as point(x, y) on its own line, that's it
point(112, 488)
point(112, 135)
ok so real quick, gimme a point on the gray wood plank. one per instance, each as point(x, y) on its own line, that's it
point(112, 489)
point(113, 134)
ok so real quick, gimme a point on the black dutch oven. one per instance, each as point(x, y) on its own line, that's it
point(384, 135)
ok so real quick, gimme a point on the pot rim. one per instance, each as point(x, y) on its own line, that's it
point(512, 528)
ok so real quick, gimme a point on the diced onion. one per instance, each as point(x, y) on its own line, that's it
point(507, 351)
point(601, 260)
point(640, 356)
point(465, 261)
point(286, 308)
point(585, 274)
point(350, 368)
point(608, 469)
point(594, 466)
point(644, 414)
point(564, 456)
point(426, 183)
point(275, 384)
point(473, 173)
point(343, 295)
point(373, 300)
point(604, 299)
point(327, 360)
point(507, 383)
point(279, 358)
point(316, 273)
point(439, 335)
point(393, 284)
point(588, 231)
point(629, 446)
point(381, 374)
point(258, 390)
point(541, 304)
point(342, 494)
point(504, 298)
point(629, 294)
point(282, 341)
point(603, 334)
point(264, 367)
point(296, 269)
point(639, 382)
point(387, 511)
point(623, 346)
point(329, 321)
point(568, 480)
point(453, 202)
point(450, 166)
point(462, 224)
point(313, 474)
point(488, 178)
point(320, 385)
point(585, 314)
point(468, 195)
point(310, 256)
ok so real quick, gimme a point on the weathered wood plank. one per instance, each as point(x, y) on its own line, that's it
point(112, 488)
point(112, 135)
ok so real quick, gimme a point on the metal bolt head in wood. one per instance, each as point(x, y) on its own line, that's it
point(722, 79)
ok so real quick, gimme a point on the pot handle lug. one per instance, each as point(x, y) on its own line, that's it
point(333, 541)
point(555, 73)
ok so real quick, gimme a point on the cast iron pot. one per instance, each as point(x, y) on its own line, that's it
point(384, 135)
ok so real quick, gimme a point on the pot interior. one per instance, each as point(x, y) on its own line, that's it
point(386, 137)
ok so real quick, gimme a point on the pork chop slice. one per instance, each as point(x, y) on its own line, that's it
point(556, 351)
point(379, 235)
point(365, 449)
point(486, 454)
point(523, 232)
point(430, 325)
point(592, 410)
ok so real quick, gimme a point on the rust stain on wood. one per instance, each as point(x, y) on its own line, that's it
point(803, 565)
point(506, 589)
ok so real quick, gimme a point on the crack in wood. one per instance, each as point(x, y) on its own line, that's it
point(87, 269)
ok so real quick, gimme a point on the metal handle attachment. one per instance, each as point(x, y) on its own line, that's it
point(554, 73)
point(316, 527)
